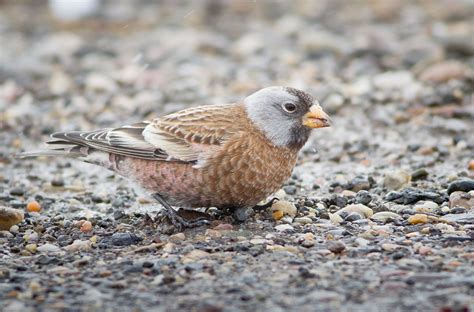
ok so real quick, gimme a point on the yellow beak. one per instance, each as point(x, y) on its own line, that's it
point(316, 118)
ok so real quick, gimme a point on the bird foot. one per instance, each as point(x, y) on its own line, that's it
point(178, 218)
point(180, 223)
point(265, 206)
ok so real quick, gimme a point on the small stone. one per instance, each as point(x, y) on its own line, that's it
point(464, 185)
point(277, 215)
point(359, 183)
point(57, 182)
point(303, 220)
point(347, 193)
point(290, 189)
point(284, 228)
point(99, 82)
point(213, 233)
point(363, 197)
point(17, 191)
point(425, 250)
point(444, 71)
point(79, 245)
point(284, 206)
point(420, 174)
point(177, 237)
point(86, 227)
point(335, 218)
point(470, 165)
point(461, 199)
point(224, 227)
point(353, 216)
point(426, 206)
point(31, 248)
point(33, 206)
point(386, 216)
point(194, 255)
point(396, 180)
point(418, 218)
point(335, 246)
point(9, 217)
point(241, 214)
point(14, 229)
point(363, 210)
point(124, 239)
point(48, 248)
point(390, 247)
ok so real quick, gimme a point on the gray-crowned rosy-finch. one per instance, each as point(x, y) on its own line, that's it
point(222, 156)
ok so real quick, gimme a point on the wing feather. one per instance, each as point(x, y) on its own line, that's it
point(190, 135)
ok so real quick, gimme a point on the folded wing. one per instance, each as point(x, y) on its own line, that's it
point(190, 135)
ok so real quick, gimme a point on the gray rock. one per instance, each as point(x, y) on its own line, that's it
point(464, 185)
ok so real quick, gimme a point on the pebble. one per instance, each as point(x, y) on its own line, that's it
point(303, 220)
point(463, 185)
point(284, 206)
point(461, 199)
point(284, 228)
point(410, 196)
point(31, 248)
point(86, 227)
point(9, 217)
point(420, 174)
point(177, 237)
point(57, 182)
point(48, 248)
point(335, 246)
point(100, 82)
point(444, 71)
point(363, 210)
point(386, 216)
point(470, 164)
point(33, 206)
point(418, 218)
point(195, 254)
point(277, 215)
point(390, 247)
point(396, 180)
point(358, 184)
point(17, 191)
point(241, 214)
point(426, 206)
point(79, 245)
point(124, 239)
point(335, 218)
point(363, 197)
point(224, 227)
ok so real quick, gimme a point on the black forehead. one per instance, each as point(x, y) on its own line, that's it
point(304, 98)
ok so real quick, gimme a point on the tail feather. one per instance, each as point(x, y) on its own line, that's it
point(49, 153)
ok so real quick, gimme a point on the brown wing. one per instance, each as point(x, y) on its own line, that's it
point(190, 135)
point(195, 133)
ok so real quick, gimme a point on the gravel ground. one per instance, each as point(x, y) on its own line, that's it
point(378, 215)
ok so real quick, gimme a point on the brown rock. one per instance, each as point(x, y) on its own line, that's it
point(9, 217)
point(445, 71)
point(335, 246)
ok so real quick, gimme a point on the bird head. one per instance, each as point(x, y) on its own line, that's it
point(285, 115)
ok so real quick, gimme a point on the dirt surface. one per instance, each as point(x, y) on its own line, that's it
point(384, 199)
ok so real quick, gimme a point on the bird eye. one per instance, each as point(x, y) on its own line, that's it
point(289, 107)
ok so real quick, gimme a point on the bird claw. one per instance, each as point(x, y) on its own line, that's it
point(176, 219)
point(266, 205)
point(181, 223)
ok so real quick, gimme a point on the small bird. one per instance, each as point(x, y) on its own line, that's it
point(224, 156)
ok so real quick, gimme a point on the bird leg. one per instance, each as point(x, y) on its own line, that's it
point(265, 206)
point(178, 221)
